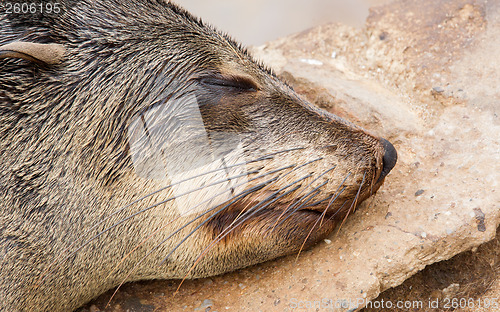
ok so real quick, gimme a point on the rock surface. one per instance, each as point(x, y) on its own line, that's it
point(422, 74)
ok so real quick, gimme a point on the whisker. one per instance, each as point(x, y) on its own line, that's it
point(354, 202)
point(315, 191)
point(242, 212)
point(246, 215)
point(323, 214)
point(49, 268)
point(182, 241)
point(319, 201)
point(274, 171)
point(191, 191)
point(309, 234)
point(298, 167)
point(233, 226)
point(339, 193)
point(245, 218)
point(58, 259)
point(333, 199)
point(286, 209)
point(193, 209)
point(251, 213)
point(242, 195)
point(340, 209)
point(146, 209)
point(241, 220)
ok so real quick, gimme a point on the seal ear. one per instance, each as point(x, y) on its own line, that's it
point(40, 53)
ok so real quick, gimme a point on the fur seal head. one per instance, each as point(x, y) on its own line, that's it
point(139, 143)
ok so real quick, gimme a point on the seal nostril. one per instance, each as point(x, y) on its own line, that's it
point(390, 158)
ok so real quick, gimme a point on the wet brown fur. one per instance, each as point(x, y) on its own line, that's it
point(65, 163)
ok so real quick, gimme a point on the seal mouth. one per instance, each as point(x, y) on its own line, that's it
point(331, 214)
point(319, 218)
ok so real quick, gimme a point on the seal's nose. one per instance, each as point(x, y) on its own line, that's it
point(390, 158)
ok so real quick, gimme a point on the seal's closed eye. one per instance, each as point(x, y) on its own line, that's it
point(236, 83)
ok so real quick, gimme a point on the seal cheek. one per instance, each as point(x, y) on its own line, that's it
point(302, 230)
point(268, 235)
point(291, 232)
